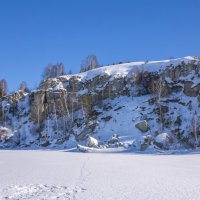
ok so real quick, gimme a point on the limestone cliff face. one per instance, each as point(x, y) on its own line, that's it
point(66, 94)
point(76, 105)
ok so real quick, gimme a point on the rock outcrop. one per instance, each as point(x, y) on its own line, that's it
point(108, 100)
point(142, 126)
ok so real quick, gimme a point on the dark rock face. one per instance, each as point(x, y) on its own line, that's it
point(75, 93)
point(191, 90)
point(62, 100)
point(37, 106)
point(175, 88)
point(181, 70)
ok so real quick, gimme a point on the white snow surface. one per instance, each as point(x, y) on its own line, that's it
point(122, 70)
point(41, 175)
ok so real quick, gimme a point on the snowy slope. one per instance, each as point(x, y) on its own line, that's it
point(122, 70)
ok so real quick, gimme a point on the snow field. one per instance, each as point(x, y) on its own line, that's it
point(112, 176)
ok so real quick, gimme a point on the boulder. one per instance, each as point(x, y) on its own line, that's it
point(163, 140)
point(142, 126)
point(92, 142)
point(5, 134)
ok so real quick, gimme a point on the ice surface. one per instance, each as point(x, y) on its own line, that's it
point(82, 176)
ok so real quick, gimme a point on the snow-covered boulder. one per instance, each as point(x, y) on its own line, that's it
point(142, 126)
point(163, 140)
point(92, 142)
point(5, 134)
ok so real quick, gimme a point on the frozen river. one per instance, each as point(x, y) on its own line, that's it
point(41, 175)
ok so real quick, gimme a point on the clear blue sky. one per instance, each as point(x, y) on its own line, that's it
point(34, 33)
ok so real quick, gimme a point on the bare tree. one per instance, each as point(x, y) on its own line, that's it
point(160, 90)
point(47, 72)
point(195, 127)
point(89, 63)
point(3, 88)
point(23, 87)
point(52, 71)
point(60, 69)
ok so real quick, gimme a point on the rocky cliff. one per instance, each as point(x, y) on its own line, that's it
point(138, 106)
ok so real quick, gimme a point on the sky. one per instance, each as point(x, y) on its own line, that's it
point(35, 33)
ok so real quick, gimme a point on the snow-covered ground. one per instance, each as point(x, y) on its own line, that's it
point(122, 70)
point(48, 175)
